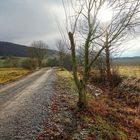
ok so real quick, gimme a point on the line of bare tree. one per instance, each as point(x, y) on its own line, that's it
point(64, 56)
point(37, 52)
point(61, 51)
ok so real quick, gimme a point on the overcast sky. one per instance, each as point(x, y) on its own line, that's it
point(22, 21)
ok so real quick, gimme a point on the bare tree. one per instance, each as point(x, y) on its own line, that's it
point(125, 18)
point(83, 26)
point(85, 29)
point(38, 51)
point(62, 50)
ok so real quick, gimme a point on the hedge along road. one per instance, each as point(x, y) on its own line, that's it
point(24, 105)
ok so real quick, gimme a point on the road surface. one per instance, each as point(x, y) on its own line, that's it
point(24, 105)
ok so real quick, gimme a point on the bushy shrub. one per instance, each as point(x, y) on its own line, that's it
point(29, 63)
point(52, 62)
point(101, 78)
point(115, 77)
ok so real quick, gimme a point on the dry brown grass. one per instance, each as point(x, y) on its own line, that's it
point(10, 74)
point(131, 71)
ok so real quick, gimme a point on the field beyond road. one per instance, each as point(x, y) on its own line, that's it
point(10, 74)
point(130, 71)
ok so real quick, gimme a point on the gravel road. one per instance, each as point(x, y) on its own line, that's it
point(24, 105)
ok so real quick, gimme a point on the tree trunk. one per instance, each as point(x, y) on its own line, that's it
point(79, 83)
point(82, 103)
point(108, 67)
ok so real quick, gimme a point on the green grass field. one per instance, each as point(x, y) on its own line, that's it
point(1, 62)
point(11, 62)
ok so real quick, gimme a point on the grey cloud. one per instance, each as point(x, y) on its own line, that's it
point(22, 21)
point(25, 19)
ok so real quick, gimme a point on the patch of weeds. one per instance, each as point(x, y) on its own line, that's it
point(121, 135)
point(66, 83)
point(87, 119)
point(103, 129)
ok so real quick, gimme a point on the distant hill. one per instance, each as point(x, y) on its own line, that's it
point(129, 61)
point(12, 49)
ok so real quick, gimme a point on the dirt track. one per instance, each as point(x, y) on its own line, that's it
point(24, 106)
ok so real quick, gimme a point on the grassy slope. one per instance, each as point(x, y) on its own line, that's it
point(104, 119)
point(10, 74)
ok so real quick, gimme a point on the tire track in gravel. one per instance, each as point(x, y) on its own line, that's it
point(10, 91)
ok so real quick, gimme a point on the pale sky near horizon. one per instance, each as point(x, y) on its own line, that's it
point(22, 21)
